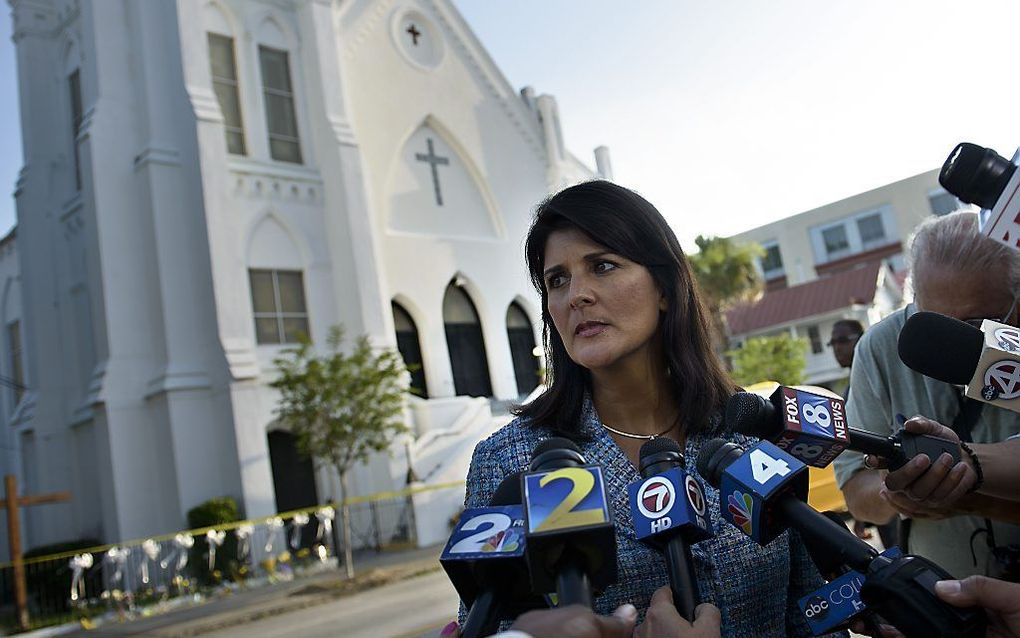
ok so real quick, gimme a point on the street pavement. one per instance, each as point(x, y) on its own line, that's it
point(303, 596)
point(419, 606)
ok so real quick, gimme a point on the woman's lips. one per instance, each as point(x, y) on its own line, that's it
point(589, 329)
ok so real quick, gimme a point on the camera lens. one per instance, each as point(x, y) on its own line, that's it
point(976, 174)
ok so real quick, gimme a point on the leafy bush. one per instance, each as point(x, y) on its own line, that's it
point(215, 511)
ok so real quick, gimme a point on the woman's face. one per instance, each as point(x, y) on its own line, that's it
point(604, 306)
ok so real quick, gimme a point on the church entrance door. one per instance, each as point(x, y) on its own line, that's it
point(293, 480)
point(467, 347)
point(522, 349)
point(410, 348)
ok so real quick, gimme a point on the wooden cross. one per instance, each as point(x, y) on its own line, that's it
point(435, 161)
point(415, 34)
point(11, 504)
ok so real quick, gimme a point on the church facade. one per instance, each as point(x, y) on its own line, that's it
point(206, 180)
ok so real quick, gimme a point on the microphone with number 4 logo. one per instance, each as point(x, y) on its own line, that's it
point(484, 559)
point(812, 428)
point(669, 511)
point(762, 492)
point(570, 533)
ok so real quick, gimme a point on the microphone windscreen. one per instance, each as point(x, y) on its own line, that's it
point(709, 465)
point(508, 492)
point(941, 347)
point(752, 415)
point(659, 444)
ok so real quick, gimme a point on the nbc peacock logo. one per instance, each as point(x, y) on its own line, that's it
point(740, 507)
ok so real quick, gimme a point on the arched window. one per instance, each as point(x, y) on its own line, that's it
point(410, 349)
point(467, 348)
point(522, 348)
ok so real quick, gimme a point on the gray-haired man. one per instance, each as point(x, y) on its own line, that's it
point(957, 272)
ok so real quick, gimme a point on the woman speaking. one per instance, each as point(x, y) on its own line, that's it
point(629, 358)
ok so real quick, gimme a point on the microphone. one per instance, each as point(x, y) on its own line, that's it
point(484, 559)
point(808, 426)
point(817, 438)
point(669, 509)
point(569, 527)
point(979, 175)
point(837, 603)
point(985, 360)
point(765, 489)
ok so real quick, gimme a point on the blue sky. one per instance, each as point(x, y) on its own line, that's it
point(729, 114)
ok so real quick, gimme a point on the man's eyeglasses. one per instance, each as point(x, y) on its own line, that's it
point(977, 321)
point(842, 340)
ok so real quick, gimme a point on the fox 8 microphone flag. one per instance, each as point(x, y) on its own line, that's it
point(815, 429)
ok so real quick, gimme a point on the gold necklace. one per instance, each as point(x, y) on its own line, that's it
point(647, 437)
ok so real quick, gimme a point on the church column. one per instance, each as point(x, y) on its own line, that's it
point(358, 277)
point(38, 208)
point(243, 414)
point(170, 183)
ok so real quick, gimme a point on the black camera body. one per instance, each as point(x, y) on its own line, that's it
point(980, 176)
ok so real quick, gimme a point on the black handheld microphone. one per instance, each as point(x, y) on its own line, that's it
point(570, 533)
point(772, 498)
point(668, 508)
point(901, 589)
point(785, 425)
point(985, 360)
point(484, 559)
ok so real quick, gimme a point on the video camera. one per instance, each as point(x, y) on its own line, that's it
point(980, 176)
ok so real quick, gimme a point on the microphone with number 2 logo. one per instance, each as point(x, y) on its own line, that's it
point(484, 559)
point(570, 534)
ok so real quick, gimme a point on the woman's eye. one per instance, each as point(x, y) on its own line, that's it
point(604, 266)
point(555, 281)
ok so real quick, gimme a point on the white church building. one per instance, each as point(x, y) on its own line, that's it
point(204, 180)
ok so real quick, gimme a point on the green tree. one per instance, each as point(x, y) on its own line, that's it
point(779, 358)
point(727, 274)
point(341, 407)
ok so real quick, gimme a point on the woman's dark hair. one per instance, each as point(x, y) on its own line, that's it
point(628, 225)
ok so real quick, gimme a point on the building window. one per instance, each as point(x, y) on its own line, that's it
point(74, 84)
point(281, 119)
point(871, 230)
point(224, 80)
point(278, 297)
point(772, 262)
point(835, 240)
point(816, 339)
point(17, 370)
point(943, 203)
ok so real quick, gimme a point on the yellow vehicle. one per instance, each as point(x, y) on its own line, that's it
point(823, 494)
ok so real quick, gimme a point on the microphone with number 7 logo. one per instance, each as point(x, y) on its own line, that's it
point(484, 559)
point(570, 533)
point(668, 508)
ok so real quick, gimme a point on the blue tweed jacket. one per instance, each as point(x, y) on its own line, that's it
point(756, 588)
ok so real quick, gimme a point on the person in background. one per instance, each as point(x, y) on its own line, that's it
point(843, 341)
point(958, 272)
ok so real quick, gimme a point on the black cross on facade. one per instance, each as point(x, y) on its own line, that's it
point(435, 161)
point(415, 34)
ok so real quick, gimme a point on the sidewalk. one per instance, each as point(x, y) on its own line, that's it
point(372, 569)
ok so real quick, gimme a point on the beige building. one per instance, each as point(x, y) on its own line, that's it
point(844, 260)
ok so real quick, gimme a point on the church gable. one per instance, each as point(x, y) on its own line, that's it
point(434, 191)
